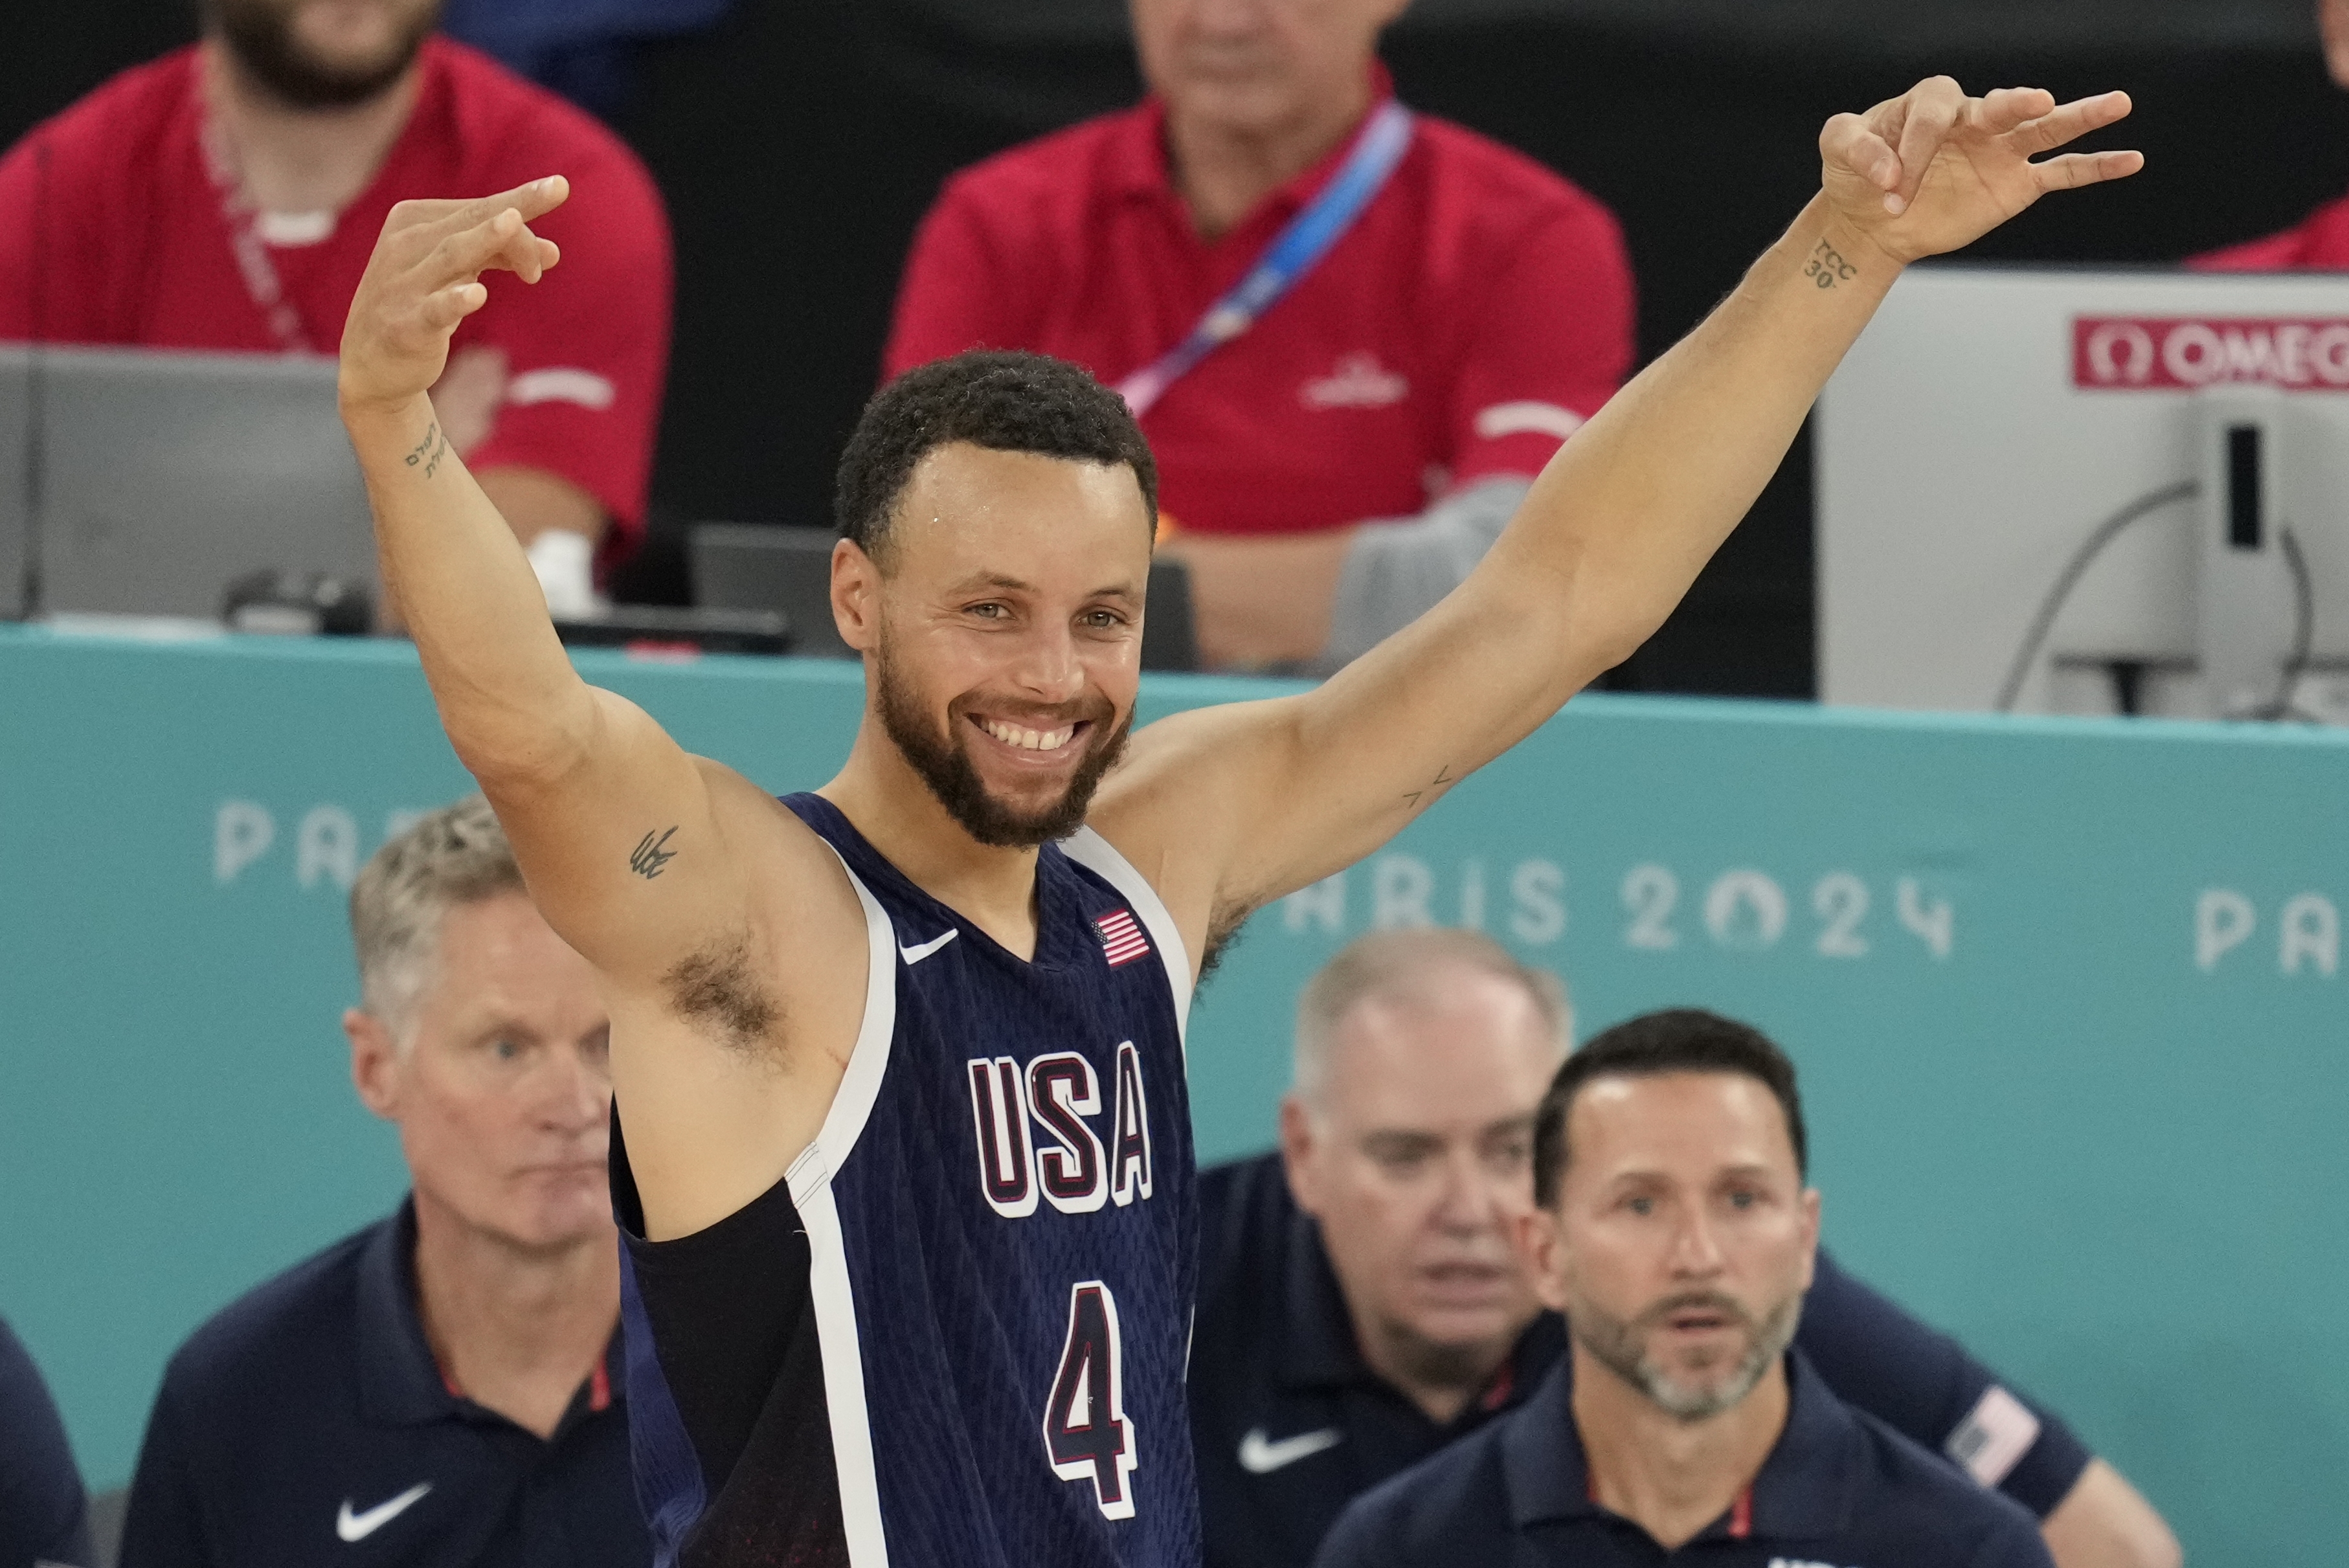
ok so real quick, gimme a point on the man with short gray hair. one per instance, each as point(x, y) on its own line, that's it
point(1360, 1307)
point(443, 1385)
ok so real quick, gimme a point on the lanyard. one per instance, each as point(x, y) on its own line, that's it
point(1291, 255)
point(252, 260)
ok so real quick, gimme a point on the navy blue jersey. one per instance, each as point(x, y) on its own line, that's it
point(999, 1230)
point(1839, 1488)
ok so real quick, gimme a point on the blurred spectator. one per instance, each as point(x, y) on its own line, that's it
point(2322, 240)
point(1361, 1306)
point(44, 1513)
point(226, 197)
point(445, 1384)
point(1675, 1229)
point(583, 49)
point(1472, 315)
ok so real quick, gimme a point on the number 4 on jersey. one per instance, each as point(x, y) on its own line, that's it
point(1086, 1431)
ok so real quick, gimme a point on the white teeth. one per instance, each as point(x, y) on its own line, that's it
point(1027, 739)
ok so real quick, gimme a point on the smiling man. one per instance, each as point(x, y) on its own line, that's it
point(899, 1061)
point(442, 1386)
point(1675, 1228)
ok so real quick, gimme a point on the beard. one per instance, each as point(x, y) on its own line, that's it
point(1620, 1346)
point(944, 764)
point(260, 35)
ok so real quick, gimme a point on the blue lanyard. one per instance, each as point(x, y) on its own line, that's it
point(1290, 257)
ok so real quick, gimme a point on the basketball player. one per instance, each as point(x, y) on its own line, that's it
point(899, 1062)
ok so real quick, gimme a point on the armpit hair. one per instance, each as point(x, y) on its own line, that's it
point(718, 989)
point(1223, 930)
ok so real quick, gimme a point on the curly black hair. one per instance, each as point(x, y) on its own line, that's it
point(1005, 401)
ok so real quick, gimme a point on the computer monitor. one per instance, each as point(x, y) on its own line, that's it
point(2067, 489)
point(771, 566)
point(144, 483)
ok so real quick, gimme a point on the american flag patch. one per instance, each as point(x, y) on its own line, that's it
point(1122, 940)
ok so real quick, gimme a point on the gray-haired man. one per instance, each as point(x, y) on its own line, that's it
point(441, 1385)
point(1361, 1306)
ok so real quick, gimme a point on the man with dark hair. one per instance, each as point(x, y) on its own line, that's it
point(1675, 1230)
point(225, 198)
point(1360, 1305)
point(861, 1327)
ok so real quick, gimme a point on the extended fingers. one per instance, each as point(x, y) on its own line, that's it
point(2074, 170)
point(500, 239)
point(2052, 126)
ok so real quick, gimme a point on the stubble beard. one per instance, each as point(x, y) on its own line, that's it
point(1621, 1347)
point(943, 765)
point(260, 35)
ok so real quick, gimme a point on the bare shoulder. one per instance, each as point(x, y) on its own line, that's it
point(1177, 806)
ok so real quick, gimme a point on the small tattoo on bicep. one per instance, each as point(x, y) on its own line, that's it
point(1828, 267)
point(651, 855)
point(1443, 776)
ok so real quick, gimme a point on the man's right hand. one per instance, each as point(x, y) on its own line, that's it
point(425, 278)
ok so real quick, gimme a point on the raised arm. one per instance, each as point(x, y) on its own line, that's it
point(615, 827)
point(1622, 519)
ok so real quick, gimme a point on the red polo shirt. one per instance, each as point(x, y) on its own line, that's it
point(1478, 309)
point(125, 239)
point(2321, 243)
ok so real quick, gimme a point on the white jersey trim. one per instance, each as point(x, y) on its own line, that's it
point(828, 1279)
point(1097, 854)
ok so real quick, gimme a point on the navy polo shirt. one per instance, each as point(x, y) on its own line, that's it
point(1289, 1424)
point(44, 1513)
point(1840, 1488)
point(309, 1424)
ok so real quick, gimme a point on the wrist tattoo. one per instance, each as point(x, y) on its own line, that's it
point(430, 450)
point(1827, 266)
point(650, 857)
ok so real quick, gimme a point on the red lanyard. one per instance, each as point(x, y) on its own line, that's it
point(253, 263)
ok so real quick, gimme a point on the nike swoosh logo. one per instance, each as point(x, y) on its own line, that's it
point(360, 1526)
point(1261, 1456)
point(920, 951)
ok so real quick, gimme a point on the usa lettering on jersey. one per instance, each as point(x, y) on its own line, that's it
point(1036, 1138)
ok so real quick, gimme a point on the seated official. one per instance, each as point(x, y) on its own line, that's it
point(44, 1513)
point(1337, 468)
point(2321, 241)
point(1361, 1306)
point(1674, 1229)
point(443, 1386)
point(226, 197)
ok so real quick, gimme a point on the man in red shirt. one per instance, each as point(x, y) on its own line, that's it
point(2321, 242)
point(1476, 311)
point(226, 197)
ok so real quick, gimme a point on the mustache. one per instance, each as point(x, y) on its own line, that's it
point(1035, 716)
point(1697, 1301)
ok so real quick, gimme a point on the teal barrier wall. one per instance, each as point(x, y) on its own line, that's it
point(2065, 995)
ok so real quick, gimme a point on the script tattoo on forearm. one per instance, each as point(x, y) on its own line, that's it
point(651, 855)
point(430, 450)
point(1443, 776)
point(1828, 267)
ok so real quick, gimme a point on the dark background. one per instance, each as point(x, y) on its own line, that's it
point(799, 142)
